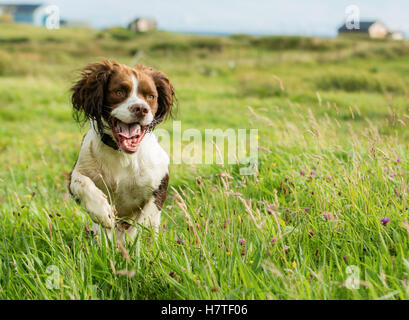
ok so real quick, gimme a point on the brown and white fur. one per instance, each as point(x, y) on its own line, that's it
point(128, 176)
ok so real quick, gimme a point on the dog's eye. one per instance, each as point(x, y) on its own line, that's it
point(151, 97)
point(119, 93)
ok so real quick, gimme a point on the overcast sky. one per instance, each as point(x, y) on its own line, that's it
point(312, 17)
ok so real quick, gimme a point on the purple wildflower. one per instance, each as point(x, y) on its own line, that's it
point(273, 240)
point(385, 221)
point(327, 216)
point(393, 174)
point(242, 242)
point(312, 175)
point(311, 232)
point(302, 172)
point(398, 160)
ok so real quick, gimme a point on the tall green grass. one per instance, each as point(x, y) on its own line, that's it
point(332, 163)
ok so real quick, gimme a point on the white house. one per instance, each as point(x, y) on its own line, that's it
point(142, 25)
point(374, 29)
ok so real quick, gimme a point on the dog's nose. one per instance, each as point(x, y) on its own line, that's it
point(139, 109)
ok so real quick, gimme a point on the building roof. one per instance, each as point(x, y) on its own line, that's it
point(363, 27)
point(21, 7)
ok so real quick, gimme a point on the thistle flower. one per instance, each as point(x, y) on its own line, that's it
point(327, 216)
point(273, 240)
point(242, 242)
point(312, 174)
point(385, 221)
point(302, 172)
point(398, 160)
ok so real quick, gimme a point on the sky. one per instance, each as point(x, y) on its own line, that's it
point(296, 17)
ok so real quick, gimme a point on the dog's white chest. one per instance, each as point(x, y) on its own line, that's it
point(130, 180)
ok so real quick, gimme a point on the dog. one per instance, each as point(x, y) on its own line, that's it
point(121, 173)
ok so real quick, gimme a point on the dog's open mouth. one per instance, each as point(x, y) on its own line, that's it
point(128, 135)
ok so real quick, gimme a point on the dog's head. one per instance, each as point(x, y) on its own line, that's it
point(125, 101)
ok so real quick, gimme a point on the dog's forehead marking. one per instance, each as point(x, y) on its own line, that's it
point(134, 84)
point(133, 95)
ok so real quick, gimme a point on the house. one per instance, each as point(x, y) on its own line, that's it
point(373, 29)
point(397, 35)
point(36, 14)
point(142, 25)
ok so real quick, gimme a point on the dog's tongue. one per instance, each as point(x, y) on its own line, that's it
point(128, 135)
point(128, 130)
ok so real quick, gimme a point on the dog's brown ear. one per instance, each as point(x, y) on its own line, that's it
point(166, 95)
point(88, 93)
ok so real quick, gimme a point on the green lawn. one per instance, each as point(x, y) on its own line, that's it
point(332, 118)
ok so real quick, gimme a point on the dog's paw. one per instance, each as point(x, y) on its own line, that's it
point(101, 211)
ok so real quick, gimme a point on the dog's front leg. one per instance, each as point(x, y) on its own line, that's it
point(150, 216)
point(93, 199)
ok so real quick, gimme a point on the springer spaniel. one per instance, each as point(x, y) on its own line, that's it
point(121, 170)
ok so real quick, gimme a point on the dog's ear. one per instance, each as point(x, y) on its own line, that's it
point(166, 95)
point(88, 93)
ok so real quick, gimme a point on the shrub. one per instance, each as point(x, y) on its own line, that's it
point(351, 82)
point(241, 37)
point(53, 40)
point(14, 40)
point(171, 46)
point(295, 43)
point(210, 44)
point(120, 34)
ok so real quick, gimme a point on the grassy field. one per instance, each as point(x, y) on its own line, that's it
point(332, 116)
